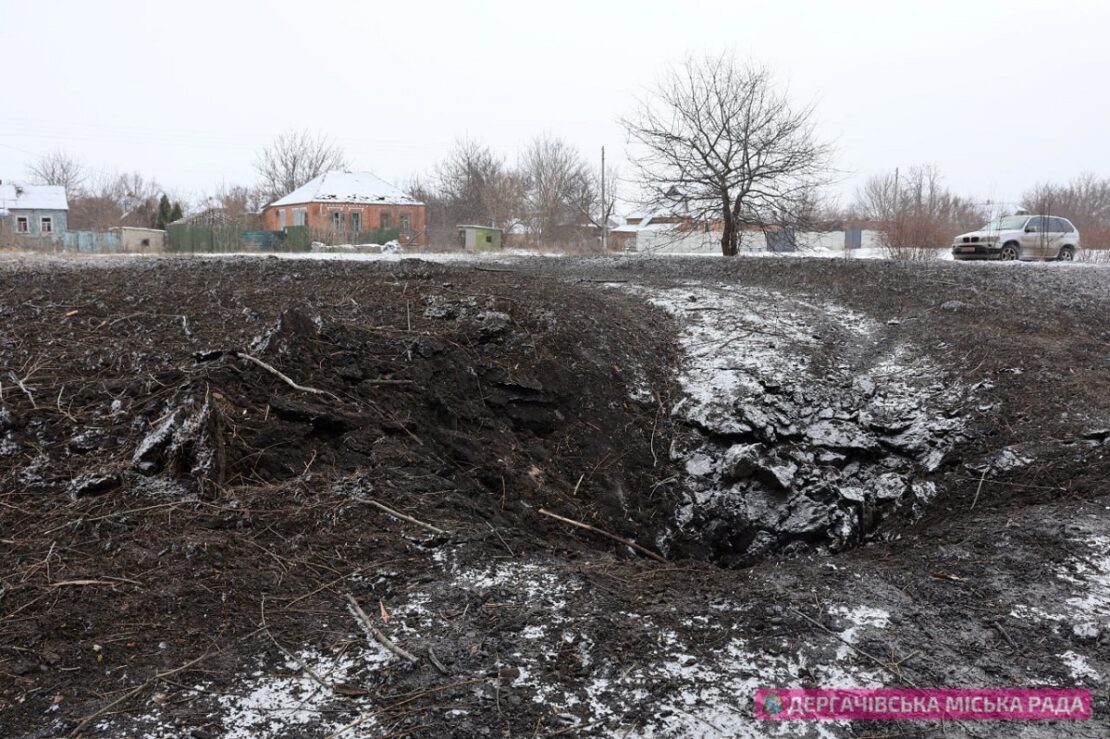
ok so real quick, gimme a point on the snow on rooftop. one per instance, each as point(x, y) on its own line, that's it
point(347, 187)
point(33, 197)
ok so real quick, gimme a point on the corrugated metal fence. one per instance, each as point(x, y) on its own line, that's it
point(196, 239)
point(92, 242)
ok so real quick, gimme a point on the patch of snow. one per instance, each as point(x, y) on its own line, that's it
point(389, 247)
point(1086, 605)
point(864, 615)
point(1008, 459)
point(269, 706)
point(1079, 668)
point(769, 434)
point(861, 616)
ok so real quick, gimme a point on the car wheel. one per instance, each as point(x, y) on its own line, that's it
point(1067, 254)
point(1009, 253)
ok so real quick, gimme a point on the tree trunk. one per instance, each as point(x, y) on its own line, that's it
point(730, 239)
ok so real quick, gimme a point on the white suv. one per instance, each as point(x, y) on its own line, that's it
point(1020, 237)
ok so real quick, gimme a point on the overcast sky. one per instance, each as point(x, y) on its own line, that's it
point(999, 95)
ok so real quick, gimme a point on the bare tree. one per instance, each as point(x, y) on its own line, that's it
point(559, 188)
point(1084, 200)
point(503, 199)
point(718, 137)
point(476, 186)
point(238, 200)
point(97, 207)
point(111, 199)
point(471, 185)
point(915, 214)
point(552, 190)
point(59, 168)
point(293, 159)
point(228, 204)
point(138, 198)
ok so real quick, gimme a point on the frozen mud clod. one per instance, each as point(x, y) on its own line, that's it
point(805, 427)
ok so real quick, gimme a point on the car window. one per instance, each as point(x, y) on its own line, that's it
point(1036, 222)
point(1059, 225)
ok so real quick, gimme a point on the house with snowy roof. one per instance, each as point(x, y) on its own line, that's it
point(342, 206)
point(33, 213)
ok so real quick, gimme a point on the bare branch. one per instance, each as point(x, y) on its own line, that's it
point(293, 159)
point(59, 168)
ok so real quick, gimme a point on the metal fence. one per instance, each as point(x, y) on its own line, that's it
point(92, 242)
point(196, 239)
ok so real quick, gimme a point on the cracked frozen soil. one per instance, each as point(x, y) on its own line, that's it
point(806, 428)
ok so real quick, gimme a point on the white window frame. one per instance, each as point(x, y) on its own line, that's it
point(355, 214)
point(281, 218)
point(337, 220)
point(46, 224)
point(22, 225)
point(300, 216)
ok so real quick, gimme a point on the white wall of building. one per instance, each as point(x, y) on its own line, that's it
point(667, 242)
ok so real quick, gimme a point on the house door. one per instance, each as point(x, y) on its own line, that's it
point(853, 238)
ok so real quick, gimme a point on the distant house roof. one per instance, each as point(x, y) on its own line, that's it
point(33, 197)
point(484, 228)
point(347, 187)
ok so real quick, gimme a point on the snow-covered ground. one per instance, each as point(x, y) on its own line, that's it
point(773, 435)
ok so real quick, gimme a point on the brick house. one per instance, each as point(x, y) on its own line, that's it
point(339, 206)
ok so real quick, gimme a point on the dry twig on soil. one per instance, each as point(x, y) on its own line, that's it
point(627, 542)
point(373, 632)
point(284, 378)
point(979, 489)
point(300, 663)
point(400, 516)
point(133, 692)
point(23, 387)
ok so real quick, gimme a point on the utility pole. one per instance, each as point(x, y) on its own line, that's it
point(897, 208)
point(604, 208)
point(897, 192)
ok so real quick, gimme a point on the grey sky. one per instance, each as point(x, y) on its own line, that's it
point(998, 94)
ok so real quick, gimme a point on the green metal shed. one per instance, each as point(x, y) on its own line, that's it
point(479, 238)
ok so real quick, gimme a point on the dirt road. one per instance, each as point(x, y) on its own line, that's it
point(795, 472)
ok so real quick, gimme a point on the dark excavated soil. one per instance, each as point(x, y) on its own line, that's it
point(164, 499)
